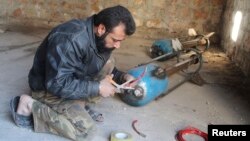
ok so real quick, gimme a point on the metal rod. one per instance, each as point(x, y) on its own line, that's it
point(157, 58)
point(174, 87)
point(180, 66)
point(191, 42)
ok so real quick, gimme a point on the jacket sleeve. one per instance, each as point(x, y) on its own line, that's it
point(118, 75)
point(62, 61)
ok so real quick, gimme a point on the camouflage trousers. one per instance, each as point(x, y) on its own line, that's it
point(67, 118)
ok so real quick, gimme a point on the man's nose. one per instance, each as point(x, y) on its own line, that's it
point(117, 44)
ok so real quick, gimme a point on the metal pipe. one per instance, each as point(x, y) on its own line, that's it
point(157, 58)
point(191, 42)
point(180, 66)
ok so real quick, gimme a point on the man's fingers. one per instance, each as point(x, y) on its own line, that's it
point(111, 75)
point(133, 84)
point(131, 78)
point(113, 92)
point(117, 91)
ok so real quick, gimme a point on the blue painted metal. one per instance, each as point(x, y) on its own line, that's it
point(152, 86)
point(161, 47)
point(164, 45)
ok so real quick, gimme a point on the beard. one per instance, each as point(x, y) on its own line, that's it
point(100, 44)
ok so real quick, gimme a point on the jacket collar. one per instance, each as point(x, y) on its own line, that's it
point(90, 29)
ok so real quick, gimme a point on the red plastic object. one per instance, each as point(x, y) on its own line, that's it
point(191, 130)
point(140, 76)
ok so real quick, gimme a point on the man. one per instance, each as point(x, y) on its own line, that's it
point(66, 74)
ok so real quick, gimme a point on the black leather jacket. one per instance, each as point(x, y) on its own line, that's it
point(67, 61)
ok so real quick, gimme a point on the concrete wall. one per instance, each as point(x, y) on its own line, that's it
point(4, 12)
point(154, 18)
point(238, 51)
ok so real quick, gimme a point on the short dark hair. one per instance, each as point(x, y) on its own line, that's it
point(113, 16)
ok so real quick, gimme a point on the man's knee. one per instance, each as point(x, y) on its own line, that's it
point(109, 66)
point(107, 69)
point(76, 113)
point(83, 125)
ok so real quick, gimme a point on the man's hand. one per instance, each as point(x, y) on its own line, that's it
point(106, 89)
point(128, 77)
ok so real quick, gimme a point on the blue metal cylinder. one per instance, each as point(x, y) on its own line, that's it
point(161, 47)
point(165, 45)
point(149, 87)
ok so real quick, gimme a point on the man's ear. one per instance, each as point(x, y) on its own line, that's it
point(101, 29)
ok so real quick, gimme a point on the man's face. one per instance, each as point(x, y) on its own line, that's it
point(112, 40)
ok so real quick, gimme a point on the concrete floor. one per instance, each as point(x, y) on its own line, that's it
point(188, 105)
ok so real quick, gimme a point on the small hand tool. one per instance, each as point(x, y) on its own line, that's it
point(121, 87)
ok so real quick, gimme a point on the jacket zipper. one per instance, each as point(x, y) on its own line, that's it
point(98, 55)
